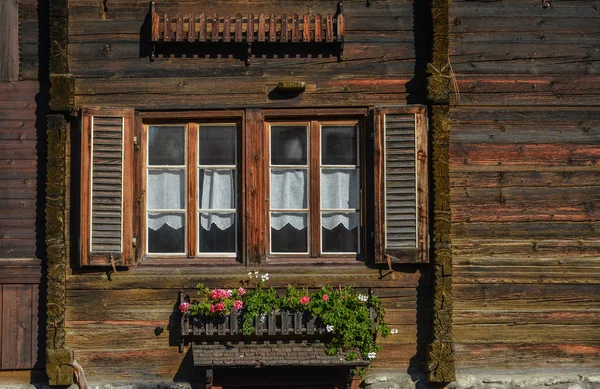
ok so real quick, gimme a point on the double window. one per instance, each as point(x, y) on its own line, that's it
point(233, 186)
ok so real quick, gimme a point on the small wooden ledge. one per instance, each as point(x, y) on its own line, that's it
point(248, 29)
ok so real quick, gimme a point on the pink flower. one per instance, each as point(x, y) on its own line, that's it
point(183, 307)
point(325, 297)
point(237, 304)
point(219, 307)
point(304, 300)
point(212, 309)
point(241, 291)
point(214, 294)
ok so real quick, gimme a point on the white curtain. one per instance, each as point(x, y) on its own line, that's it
point(339, 190)
point(217, 192)
point(166, 191)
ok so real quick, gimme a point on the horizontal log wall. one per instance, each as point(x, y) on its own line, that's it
point(525, 176)
point(20, 270)
point(125, 328)
point(109, 57)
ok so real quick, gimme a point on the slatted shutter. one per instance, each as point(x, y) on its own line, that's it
point(401, 181)
point(106, 187)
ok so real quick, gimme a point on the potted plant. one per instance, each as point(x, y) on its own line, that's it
point(346, 320)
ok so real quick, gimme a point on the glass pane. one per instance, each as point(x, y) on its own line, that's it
point(340, 232)
point(289, 233)
point(339, 189)
point(166, 233)
point(216, 188)
point(338, 145)
point(217, 233)
point(289, 145)
point(166, 189)
point(166, 145)
point(289, 189)
point(217, 145)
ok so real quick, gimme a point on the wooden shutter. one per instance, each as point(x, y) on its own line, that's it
point(106, 186)
point(401, 181)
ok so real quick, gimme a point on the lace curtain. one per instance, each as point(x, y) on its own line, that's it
point(339, 190)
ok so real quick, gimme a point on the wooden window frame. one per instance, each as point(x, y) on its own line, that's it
point(314, 128)
point(191, 121)
point(253, 222)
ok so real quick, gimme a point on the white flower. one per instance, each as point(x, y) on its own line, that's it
point(329, 328)
point(256, 273)
point(394, 331)
point(250, 274)
point(265, 277)
point(363, 298)
point(371, 355)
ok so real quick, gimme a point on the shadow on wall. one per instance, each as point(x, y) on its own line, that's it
point(423, 38)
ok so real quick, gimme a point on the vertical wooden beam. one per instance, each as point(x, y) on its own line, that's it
point(202, 27)
point(192, 179)
point(238, 27)
point(191, 28)
point(318, 27)
point(306, 31)
point(253, 191)
point(226, 28)
point(329, 30)
point(214, 36)
point(261, 28)
point(155, 26)
point(9, 44)
point(250, 28)
point(59, 358)
point(272, 32)
point(295, 28)
point(167, 32)
point(440, 354)
point(179, 29)
point(284, 28)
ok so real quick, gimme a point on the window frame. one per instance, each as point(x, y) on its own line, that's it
point(253, 179)
point(314, 176)
point(192, 120)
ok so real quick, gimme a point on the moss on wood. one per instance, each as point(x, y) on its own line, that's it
point(62, 93)
point(440, 354)
point(58, 359)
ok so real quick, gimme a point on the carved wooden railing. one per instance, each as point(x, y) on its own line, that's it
point(248, 29)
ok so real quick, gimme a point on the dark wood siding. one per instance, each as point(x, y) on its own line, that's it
point(109, 58)
point(18, 169)
point(525, 176)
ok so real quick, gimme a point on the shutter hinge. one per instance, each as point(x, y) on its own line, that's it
point(136, 145)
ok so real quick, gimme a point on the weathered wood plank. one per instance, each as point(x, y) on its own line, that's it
point(530, 155)
point(519, 356)
point(525, 297)
point(16, 328)
point(9, 44)
point(522, 204)
point(560, 317)
point(525, 251)
point(528, 179)
point(526, 333)
point(565, 274)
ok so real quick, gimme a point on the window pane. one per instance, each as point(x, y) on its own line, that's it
point(340, 232)
point(339, 189)
point(217, 145)
point(338, 144)
point(289, 233)
point(217, 189)
point(289, 145)
point(217, 233)
point(166, 189)
point(166, 145)
point(289, 189)
point(166, 233)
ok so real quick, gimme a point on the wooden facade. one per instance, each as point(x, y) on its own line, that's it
point(510, 277)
